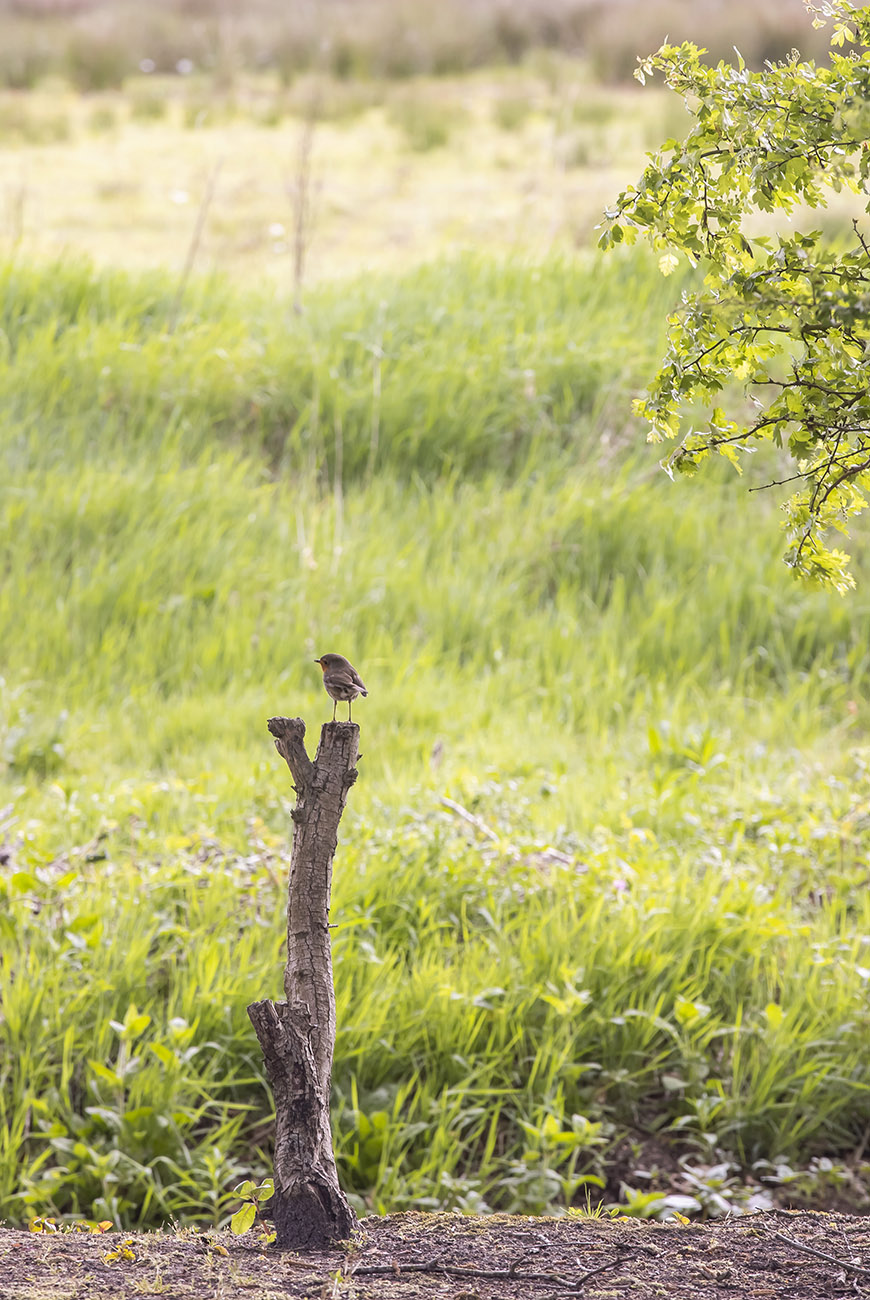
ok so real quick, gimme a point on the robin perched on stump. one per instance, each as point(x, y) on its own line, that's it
point(341, 680)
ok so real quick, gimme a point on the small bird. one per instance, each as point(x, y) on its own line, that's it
point(341, 681)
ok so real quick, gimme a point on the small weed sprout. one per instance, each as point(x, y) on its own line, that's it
point(253, 1196)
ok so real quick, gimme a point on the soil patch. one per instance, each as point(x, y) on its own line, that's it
point(801, 1255)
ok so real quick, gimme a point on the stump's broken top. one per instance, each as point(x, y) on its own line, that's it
point(298, 1036)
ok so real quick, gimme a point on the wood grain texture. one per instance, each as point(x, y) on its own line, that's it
point(298, 1036)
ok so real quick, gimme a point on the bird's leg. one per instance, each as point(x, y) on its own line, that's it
point(334, 707)
point(349, 718)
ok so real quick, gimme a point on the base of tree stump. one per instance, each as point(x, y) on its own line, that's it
point(308, 1208)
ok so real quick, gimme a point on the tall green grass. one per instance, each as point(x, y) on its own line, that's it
point(457, 369)
point(655, 927)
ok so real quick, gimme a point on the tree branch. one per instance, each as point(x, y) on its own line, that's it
point(289, 736)
point(822, 1254)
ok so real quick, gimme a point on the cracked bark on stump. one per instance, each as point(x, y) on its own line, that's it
point(298, 1036)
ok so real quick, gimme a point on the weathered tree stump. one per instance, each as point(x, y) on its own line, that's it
point(309, 1209)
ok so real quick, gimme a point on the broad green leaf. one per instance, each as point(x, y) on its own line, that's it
point(243, 1219)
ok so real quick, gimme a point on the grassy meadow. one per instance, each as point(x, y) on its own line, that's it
point(600, 905)
point(519, 161)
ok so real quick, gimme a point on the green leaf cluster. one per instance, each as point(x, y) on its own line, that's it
point(252, 1196)
point(785, 314)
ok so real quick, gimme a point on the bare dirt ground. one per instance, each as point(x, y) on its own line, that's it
point(801, 1255)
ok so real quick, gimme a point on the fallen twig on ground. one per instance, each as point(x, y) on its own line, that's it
point(821, 1254)
point(511, 1274)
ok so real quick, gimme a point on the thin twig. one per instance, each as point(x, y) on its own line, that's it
point(395, 1269)
point(821, 1254)
point(16, 205)
point(300, 188)
point(477, 822)
point(857, 230)
point(302, 192)
point(600, 1268)
point(338, 492)
point(193, 247)
point(808, 473)
point(377, 350)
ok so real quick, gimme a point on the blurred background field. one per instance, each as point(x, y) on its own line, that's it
point(97, 43)
point(305, 347)
point(517, 161)
point(389, 132)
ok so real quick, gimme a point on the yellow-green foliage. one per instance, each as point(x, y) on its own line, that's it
point(657, 922)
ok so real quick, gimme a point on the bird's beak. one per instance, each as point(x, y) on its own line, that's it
point(317, 661)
